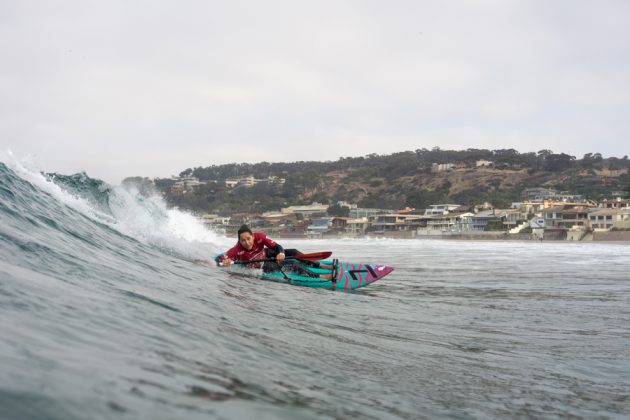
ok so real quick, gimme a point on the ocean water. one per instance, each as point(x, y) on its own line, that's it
point(102, 316)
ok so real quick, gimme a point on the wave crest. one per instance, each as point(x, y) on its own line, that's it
point(27, 192)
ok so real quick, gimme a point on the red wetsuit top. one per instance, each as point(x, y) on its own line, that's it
point(239, 253)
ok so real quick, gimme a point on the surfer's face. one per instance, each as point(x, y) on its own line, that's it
point(246, 240)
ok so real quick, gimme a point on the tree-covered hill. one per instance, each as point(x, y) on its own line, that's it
point(404, 179)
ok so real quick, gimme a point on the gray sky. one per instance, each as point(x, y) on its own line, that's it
point(120, 88)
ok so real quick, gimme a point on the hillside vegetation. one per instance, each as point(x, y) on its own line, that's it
point(403, 179)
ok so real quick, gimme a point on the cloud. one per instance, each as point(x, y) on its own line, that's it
point(119, 88)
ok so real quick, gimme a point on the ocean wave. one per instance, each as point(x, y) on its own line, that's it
point(56, 199)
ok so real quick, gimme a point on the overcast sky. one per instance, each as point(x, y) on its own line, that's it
point(120, 88)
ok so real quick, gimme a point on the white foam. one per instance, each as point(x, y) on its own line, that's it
point(26, 170)
point(146, 219)
point(149, 220)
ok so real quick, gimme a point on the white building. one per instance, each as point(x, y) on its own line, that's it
point(366, 212)
point(483, 163)
point(306, 210)
point(319, 227)
point(356, 226)
point(250, 181)
point(442, 167)
point(185, 184)
point(450, 223)
point(440, 209)
point(617, 203)
point(215, 219)
point(603, 219)
point(346, 204)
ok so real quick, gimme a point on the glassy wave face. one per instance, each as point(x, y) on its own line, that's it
point(104, 316)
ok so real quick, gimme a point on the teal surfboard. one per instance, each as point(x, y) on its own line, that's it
point(346, 275)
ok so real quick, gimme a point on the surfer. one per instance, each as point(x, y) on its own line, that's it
point(257, 245)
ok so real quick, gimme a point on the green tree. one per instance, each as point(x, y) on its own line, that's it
point(558, 162)
point(337, 210)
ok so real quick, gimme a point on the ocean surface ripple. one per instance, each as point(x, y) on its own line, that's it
point(104, 316)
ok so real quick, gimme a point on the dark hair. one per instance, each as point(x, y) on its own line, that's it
point(242, 229)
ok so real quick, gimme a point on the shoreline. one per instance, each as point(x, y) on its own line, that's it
point(480, 238)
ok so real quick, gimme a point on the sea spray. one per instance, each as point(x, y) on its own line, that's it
point(144, 218)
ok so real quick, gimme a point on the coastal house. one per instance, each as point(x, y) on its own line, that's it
point(247, 181)
point(530, 217)
point(250, 181)
point(439, 224)
point(447, 223)
point(540, 194)
point(537, 225)
point(440, 209)
point(442, 167)
point(274, 216)
point(185, 184)
point(602, 219)
point(395, 225)
point(513, 217)
point(537, 194)
point(482, 163)
point(339, 224)
point(359, 212)
point(319, 227)
point(276, 180)
point(481, 220)
point(553, 216)
point(297, 230)
point(537, 222)
point(356, 226)
point(465, 222)
point(280, 221)
point(567, 198)
point(617, 203)
point(527, 208)
point(407, 210)
point(215, 219)
point(294, 232)
point(349, 226)
point(306, 211)
point(346, 204)
point(567, 215)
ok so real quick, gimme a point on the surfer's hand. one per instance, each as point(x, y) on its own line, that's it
point(227, 262)
point(280, 256)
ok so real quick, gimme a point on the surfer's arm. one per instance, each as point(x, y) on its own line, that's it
point(223, 260)
point(226, 262)
point(226, 258)
point(278, 251)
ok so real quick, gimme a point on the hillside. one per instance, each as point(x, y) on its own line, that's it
point(405, 179)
